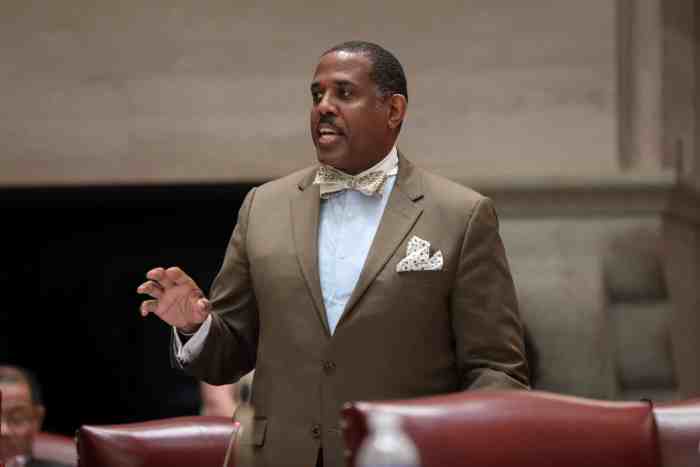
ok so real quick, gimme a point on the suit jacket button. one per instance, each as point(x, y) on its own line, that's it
point(328, 367)
point(316, 431)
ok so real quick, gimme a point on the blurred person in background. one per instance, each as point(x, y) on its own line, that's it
point(222, 401)
point(22, 416)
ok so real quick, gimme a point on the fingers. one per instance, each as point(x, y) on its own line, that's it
point(170, 277)
point(149, 306)
point(178, 299)
point(158, 275)
point(178, 277)
point(203, 305)
point(152, 288)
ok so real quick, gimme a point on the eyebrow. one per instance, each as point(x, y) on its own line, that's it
point(338, 83)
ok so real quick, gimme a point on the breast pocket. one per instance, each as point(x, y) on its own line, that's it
point(413, 286)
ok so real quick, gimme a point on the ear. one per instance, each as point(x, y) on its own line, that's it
point(397, 110)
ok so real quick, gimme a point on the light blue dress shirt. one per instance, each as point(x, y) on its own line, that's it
point(347, 225)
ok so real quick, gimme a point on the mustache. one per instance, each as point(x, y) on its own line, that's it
point(328, 119)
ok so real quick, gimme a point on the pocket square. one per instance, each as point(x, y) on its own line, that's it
point(418, 257)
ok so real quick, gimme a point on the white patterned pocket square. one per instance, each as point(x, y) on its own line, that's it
point(418, 257)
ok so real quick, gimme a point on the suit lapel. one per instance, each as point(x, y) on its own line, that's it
point(305, 207)
point(400, 214)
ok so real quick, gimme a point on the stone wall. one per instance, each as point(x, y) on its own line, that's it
point(587, 261)
point(682, 218)
point(218, 91)
point(697, 98)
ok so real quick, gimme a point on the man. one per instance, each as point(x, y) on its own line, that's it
point(396, 287)
point(22, 415)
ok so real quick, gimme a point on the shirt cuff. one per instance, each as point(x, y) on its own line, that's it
point(188, 351)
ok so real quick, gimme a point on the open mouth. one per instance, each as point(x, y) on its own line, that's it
point(328, 134)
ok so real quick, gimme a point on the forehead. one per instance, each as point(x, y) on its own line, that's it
point(343, 66)
point(15, 395)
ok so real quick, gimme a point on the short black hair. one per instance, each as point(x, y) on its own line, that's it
point(387, 72)
point(16, 375)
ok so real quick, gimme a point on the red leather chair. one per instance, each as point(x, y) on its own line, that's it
point(531, 428)
point(181, 441)
point(55, 448)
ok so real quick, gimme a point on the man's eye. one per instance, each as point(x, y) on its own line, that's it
point(345, 93)
point(316, 97)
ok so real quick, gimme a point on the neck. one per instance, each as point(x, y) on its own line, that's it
point(372, 164)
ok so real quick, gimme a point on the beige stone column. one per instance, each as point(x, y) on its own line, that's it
point(658, 129)
point(640, 100)
point(681, 230)
point(680, 71)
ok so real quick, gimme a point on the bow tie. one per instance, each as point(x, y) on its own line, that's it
point(333, 181)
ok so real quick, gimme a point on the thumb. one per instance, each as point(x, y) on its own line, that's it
point(202, 305)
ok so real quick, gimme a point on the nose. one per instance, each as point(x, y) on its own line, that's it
point(326, 106)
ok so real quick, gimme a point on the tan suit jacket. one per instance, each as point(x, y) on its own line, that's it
point(401, 335)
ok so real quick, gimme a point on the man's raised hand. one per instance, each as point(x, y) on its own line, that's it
point(177, 299)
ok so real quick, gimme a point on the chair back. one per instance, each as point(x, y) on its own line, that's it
point(678, 426)
point(516, 429)
point(180, 441)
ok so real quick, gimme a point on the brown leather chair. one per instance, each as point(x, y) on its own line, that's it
point(532, 428)
point(55, 448)
point(181, 441)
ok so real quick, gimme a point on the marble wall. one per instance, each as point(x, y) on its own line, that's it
point(682, 218)
point(697, 98)
point(182, 91)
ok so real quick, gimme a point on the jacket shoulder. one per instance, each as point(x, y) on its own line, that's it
point(286, 185)
point(448, 193)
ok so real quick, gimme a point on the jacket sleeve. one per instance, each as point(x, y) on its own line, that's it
point(230, 349)
point(486, 323)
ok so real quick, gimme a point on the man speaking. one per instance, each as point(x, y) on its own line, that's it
point(360, 278)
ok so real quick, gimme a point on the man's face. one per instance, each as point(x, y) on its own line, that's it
point(349, 119)
point(21, 420)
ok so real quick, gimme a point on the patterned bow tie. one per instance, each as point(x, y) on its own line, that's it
point(333, 181)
